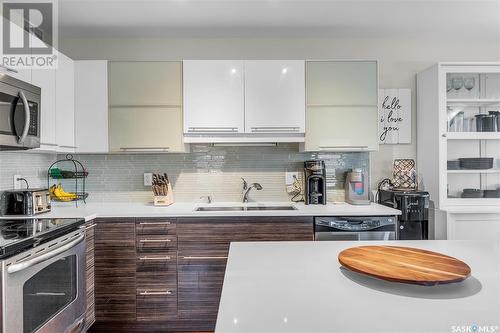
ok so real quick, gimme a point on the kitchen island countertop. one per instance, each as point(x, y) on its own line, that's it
point(301, 287)
point(126, 209)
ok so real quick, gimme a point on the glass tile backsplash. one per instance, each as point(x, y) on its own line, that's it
point(206, 170)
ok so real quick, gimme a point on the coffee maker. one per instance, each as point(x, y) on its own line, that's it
point(414, 206)
point(315, 176)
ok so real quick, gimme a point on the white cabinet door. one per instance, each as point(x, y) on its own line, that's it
point(274, 96)
point(65, 104)
point(16, 39)
point(213, 96)
point(91, 106)
point(342, 107)
point(46, 80)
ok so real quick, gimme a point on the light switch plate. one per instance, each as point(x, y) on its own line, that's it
point(289, 177)
point(148, 178)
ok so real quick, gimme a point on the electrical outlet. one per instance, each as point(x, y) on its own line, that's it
point(17, 183)
point(289, 177)
point(148, 178)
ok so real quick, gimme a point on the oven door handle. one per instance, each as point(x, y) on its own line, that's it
point(46, 256)
point(26, 117)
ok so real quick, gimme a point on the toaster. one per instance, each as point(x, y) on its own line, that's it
point(26, 201)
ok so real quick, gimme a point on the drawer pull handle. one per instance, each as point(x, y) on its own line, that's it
point(155, 223)
point(155, 258)
point(194, 257)
point(90, 226)
point(150, 292)
point(155, 240)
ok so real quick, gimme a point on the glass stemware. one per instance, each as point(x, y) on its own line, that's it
point(449, 85)
point(469, 83)
point(458, 83)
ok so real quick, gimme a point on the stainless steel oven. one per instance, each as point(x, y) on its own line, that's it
point(355, 228)
point(43, 288)
point(20, 114)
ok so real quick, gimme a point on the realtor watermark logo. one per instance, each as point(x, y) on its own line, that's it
point(29, 34)
point(474, 328)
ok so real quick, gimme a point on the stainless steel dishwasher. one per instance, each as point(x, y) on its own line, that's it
point(354, 228)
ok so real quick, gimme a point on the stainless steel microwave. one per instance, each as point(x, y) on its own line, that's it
point(20, 114)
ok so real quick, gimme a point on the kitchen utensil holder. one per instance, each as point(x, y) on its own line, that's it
point(164, 200)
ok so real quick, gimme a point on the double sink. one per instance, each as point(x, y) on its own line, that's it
point(242, 208)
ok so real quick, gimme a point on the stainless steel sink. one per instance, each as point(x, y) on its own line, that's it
point(241, 208)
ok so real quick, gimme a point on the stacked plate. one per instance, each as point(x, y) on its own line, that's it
point(453, 165)
point(492, 193)
point(472, 193)
point(480, 163)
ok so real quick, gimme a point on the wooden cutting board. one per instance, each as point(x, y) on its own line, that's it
point(404, 264)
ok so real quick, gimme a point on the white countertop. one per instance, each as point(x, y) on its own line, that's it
point(300, 287)
point(472, 209)
point(92, 210)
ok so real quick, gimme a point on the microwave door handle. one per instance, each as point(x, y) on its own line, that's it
point(26, 117)
point(46, 256)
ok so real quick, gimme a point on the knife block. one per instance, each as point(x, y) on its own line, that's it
point(164, 200)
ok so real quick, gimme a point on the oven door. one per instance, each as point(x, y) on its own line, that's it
point(46, 292)
point(19, 118)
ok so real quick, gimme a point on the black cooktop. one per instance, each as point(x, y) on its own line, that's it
point(17, 235)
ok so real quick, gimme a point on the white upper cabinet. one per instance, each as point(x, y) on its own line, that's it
point(46, 80)
point(65, 104)
point(213, 96)
point(16, 40)
point(145, 113)
point(342, 107)
point(274, 96)
point(91, 106)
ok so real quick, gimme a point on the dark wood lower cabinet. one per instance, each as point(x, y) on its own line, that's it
point(157, 275)
point(115, 265)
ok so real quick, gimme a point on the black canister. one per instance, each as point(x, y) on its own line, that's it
point(486, 123)
point(496, 114)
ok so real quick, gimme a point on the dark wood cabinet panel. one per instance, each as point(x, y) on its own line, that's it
point(203, 247)
point(200, 287)
point(90, 273)
point(115, 266)
point(158, 304)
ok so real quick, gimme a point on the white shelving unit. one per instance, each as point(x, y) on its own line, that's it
point(438, 99)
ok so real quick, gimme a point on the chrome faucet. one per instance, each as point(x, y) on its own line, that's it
point(247, 189)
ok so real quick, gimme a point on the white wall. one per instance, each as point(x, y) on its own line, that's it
point(399, 61)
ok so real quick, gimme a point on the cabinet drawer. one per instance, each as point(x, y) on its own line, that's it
point(156, 304)
point(156, 261)
point(155, 243)
point(155, 227)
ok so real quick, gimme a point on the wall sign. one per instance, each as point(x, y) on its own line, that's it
point(394, 116)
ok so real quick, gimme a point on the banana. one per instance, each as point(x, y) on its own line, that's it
point(58, 193)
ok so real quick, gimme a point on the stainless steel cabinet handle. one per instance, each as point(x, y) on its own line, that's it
point(155, 223)
point(155, 258)
point(152, 292)
point(26, 117)
point(201, 258)
point(90, 226)
point(46, 256)
point(275, 129)
point(166, 240)
point(145, 148)
point(212, 129)
point(342, 147)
